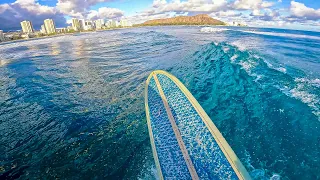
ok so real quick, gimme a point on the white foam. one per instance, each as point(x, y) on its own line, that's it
point(234, 57)
point(151, 173)
point(247, 66)
point(281, 69)
point(211, 29)
point(225, 49)
point(275, 177)
point(301, 36)
point(313, 82)
point(310, 99)
point(240, 45)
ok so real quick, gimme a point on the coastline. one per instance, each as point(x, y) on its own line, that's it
point(141, 26)
point(29, 39)
point(58, 35)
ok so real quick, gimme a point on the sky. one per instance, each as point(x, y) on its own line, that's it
point(291, 14)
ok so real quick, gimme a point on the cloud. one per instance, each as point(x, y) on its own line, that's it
point(191, 6)
point(77, 8)
point(252, 12)
point(225, 10)
point(12, 14)
point(105, 13)
point(302, 12)
point(251, 4)
point(228, 13)
point(142, 17)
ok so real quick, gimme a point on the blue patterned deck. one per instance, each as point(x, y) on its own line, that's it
point(209, 161)
point(169, 154)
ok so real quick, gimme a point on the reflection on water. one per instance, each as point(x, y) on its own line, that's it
point(55, 49)
point(3, 62)
point(73, 106)
point(78, 48)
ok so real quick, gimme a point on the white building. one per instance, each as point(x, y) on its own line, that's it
point(76, 24)
point(43, 29)
point(99, 23)
point(117, 24)
point(82, 23)
point(49, 26)
point(27, 27)
point(89, 25)
point(112, 24)
point(62, 30)
point(125, 23)
point(108, 24)
point(69, 28)
point(1, 36)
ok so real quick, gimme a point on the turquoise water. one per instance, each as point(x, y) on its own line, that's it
point(73, 106)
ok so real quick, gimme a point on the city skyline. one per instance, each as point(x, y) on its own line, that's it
point(292, 14)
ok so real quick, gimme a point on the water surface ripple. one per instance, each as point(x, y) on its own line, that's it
point(72, 107)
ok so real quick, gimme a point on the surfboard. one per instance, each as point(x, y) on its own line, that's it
point(185, 142)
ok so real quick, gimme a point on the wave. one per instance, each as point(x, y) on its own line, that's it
point(283, 35)
point(312, 100)
point(313, 82)
point(297, 91)
point(252, 100)
point(211, 29)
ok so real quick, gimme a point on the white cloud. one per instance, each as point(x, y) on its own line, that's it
point(221, 9)
point(251, 4)
point(12, 14)
point(299, 10)
point(248, 11)
point(192, 6)
point(228, 13)
point(256, 12)
point(77, 8)
point(105, 13)
point(142, 17)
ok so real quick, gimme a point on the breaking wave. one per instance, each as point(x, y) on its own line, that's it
point(288, 35)
point(211, 29)
point(258, 107)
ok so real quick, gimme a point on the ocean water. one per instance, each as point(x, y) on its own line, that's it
point(72, 107)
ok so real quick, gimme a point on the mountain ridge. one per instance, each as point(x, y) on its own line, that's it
point(201, 19)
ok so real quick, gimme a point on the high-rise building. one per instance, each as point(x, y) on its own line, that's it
point(99, 23)
point(108, 24)
point(76, 24)
point(117, 23)
point(27, 27)
point(1, 36)
point(89, 25)
point(49, 26)
point(82, 24)
point(112, 24)
point(62, 30)
point(125, 23)
point(43, 29)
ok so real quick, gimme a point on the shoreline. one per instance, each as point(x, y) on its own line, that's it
point(58, 35)
point(141, 26)
point(29, 39)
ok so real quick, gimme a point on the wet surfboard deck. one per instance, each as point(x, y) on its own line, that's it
point(185, 142)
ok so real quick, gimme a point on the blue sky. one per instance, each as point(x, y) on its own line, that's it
point(293, 14)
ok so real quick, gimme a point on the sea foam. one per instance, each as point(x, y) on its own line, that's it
point(283, 35)
point(211, 29)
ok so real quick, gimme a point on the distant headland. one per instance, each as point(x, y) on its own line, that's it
point(201, 19)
